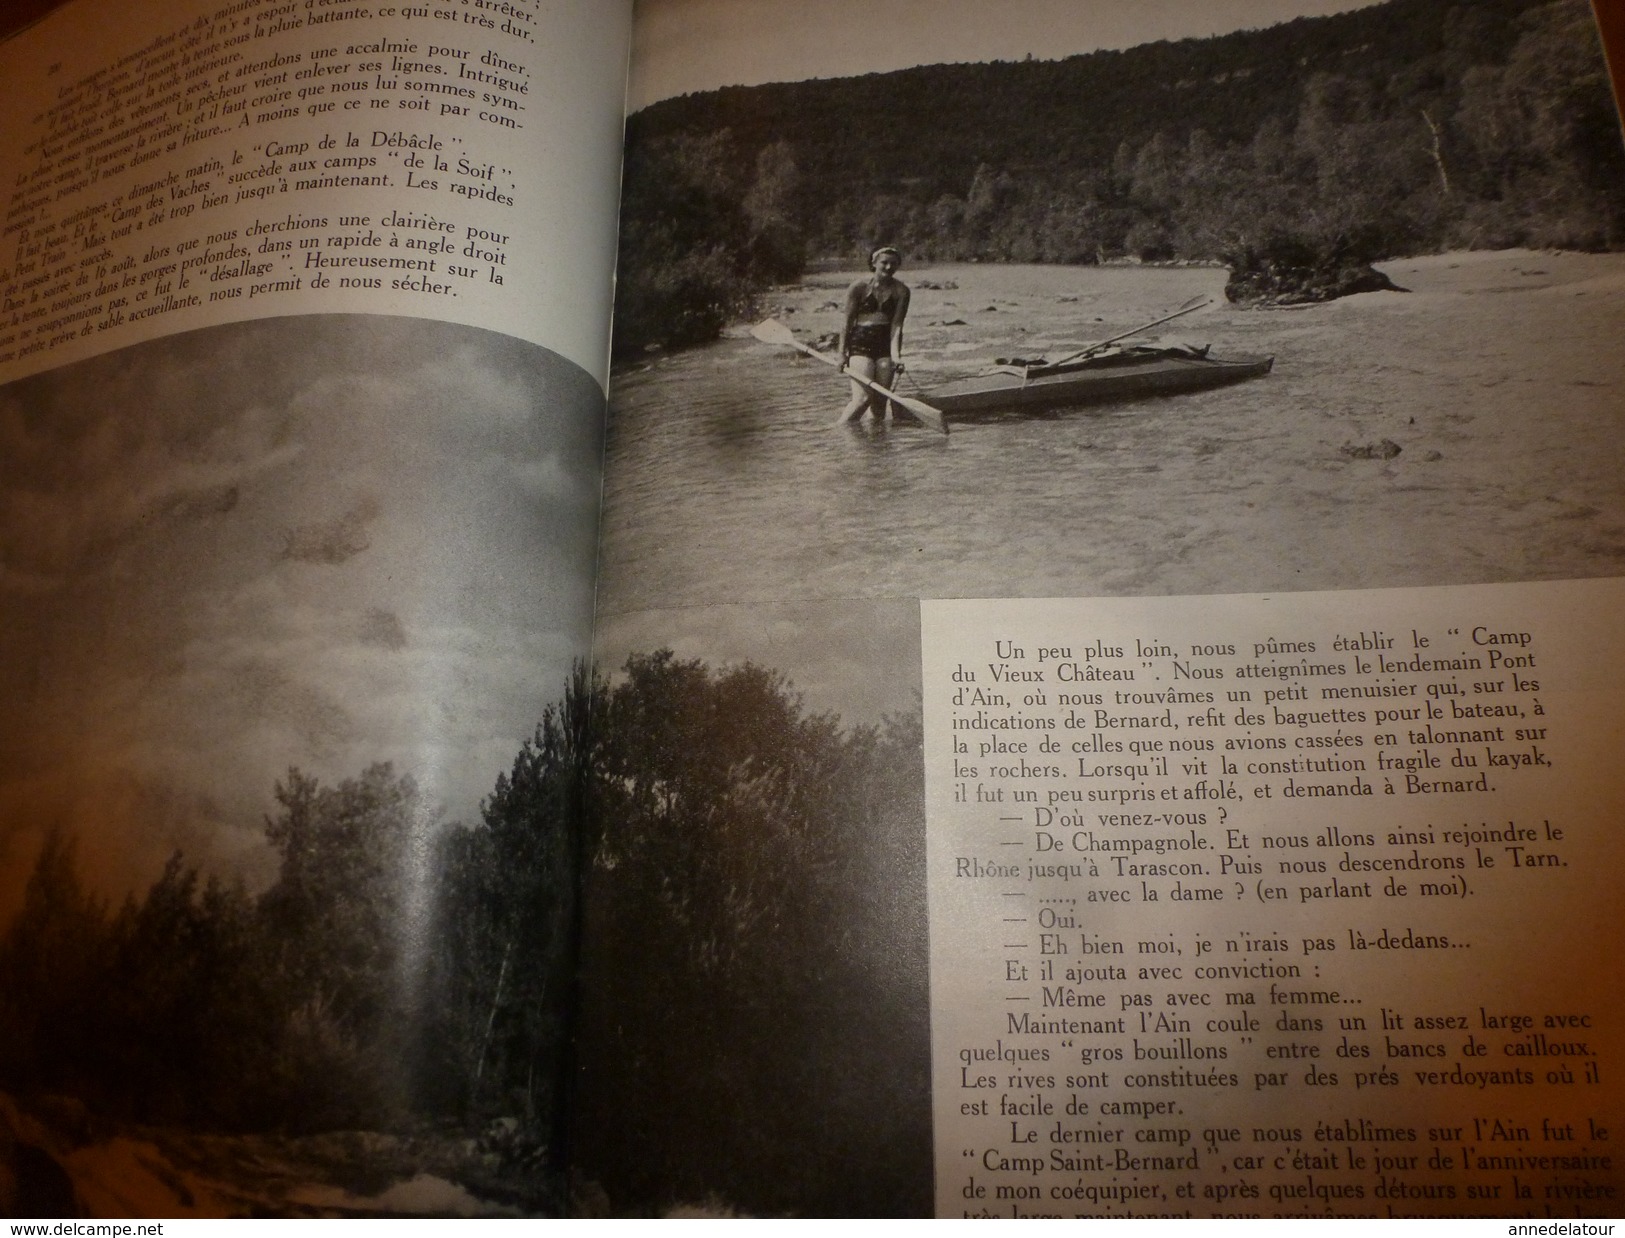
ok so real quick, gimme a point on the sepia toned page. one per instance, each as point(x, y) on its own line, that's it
point(1276, 905)
point(303, 341)
point(175, 166)
point(1185, 786)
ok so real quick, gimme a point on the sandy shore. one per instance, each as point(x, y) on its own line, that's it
point(1498, 376)
point(740, 524)
point(953, 329)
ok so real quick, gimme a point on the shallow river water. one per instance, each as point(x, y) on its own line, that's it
point(1500, 377)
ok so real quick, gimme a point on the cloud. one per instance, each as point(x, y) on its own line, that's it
point(86, 467)
point(858, 658)
point(382, 628)
point(199, 503)
point(334, 541)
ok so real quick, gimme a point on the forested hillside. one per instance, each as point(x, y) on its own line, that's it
point(1407, 127)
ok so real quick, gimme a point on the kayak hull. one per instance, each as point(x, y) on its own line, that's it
point(1121, 376)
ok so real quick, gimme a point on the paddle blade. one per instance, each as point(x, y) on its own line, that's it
point(772, 331)
point(931, 416)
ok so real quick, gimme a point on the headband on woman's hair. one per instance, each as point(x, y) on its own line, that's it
point(884, 249)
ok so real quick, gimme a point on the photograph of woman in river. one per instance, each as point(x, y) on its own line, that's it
point(1385, 225)
point(1290, 181)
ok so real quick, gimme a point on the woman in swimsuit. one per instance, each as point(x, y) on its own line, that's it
point(872, 335)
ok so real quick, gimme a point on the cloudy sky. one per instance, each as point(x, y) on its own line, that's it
point(855, 657)
point(313, 542)
point(681, 46)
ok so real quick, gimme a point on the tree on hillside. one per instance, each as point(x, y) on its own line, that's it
point(755, 908)
point(53, 965)
point(500, 985)
point(334, 944)
point(777, 245)
point(681, 267)
point(1539, 136)
point(188, 1022)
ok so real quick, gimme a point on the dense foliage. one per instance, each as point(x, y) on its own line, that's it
point(700, 236)
point(201, 1004)
point(755, 1008)
point(755, 987)
point(1407, 127)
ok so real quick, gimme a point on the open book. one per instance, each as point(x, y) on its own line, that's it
point(1165, 762)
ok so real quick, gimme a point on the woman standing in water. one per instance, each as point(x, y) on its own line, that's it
point(872, 335)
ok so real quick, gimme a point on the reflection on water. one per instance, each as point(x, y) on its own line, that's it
point(1499, 377)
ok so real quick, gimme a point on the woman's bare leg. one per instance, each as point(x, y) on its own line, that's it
point(864, 366)
point(885, 371)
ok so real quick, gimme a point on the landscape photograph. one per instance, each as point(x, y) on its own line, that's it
point(1413, 213)
point(293, 608)
point(435, 787)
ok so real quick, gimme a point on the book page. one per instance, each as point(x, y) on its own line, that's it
point(172, 166)
point(1217, 306)
point(304, 312)
point(1275, 905)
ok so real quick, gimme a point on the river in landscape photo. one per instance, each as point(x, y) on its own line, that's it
point(1498, 376)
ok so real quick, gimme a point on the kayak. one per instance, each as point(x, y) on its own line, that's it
point(1117, 374)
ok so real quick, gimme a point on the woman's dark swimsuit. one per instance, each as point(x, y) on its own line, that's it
point(872, 339)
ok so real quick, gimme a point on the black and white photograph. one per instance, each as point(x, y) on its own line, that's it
point(754, 1022)
point(1393, 231)
point(290, 610)
point(1176, 300)
point(441, 780)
